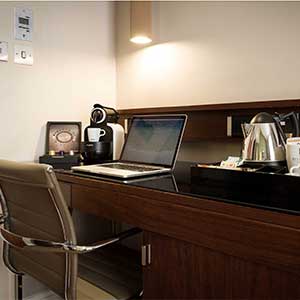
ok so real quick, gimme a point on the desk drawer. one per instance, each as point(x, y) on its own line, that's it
point(103, 203)
point(236, 236)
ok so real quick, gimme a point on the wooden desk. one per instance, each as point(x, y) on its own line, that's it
point(200, 248)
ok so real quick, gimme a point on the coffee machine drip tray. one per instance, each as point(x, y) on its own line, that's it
point(263, 186)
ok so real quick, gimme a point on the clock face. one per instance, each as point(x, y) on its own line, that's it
point(64, 137)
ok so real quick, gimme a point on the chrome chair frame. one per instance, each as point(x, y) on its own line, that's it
point(22, 242)
point(4, 223)
point(2, 219)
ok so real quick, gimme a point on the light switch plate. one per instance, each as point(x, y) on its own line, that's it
point(3, 51)
point(23, 55)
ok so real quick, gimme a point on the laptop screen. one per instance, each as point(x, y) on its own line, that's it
point(154, 140)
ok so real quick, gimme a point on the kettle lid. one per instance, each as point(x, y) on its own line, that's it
point(262, 117)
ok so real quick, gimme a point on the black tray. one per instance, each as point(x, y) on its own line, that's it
point(263, 186)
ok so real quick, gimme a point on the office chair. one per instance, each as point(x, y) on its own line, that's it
point(40, 240)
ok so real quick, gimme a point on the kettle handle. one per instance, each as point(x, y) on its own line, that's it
point(282, 136)
point(295, 122)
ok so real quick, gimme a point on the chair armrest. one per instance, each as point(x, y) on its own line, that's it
point(18, 241)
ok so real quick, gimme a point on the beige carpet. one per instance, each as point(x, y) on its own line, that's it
point(85, 291)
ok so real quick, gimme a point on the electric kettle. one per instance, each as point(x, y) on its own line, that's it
point(265, 140)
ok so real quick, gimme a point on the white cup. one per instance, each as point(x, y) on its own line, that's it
point(293, 155)
point(94, 134)
point(295, 171)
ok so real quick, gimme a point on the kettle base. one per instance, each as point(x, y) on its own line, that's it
point(258, 164)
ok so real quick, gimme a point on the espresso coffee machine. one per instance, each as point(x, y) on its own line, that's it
point(103, 138)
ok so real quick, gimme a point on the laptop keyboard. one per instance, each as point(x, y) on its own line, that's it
point(131, 167)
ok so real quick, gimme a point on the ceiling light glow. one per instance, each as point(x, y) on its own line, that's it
point(141, 40)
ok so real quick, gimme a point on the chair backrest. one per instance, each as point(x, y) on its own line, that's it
point(32, 199)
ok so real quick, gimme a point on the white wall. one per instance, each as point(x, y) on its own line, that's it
point(74, 67)
point(211, 52)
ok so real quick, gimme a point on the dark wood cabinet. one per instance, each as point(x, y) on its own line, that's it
point(181, 270)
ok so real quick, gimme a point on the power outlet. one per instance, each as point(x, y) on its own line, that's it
point(23, 55)
point(4, 51)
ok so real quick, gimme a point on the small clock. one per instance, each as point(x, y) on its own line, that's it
point(63, 137)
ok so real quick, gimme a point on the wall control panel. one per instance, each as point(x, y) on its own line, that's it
point(3, 51)
point(23, 24)
point(23, 55)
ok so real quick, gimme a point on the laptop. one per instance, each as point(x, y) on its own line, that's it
point(151, 147)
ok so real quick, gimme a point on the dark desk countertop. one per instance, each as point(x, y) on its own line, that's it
point(268, 197)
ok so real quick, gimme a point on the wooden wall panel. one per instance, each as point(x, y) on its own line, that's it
point(210, 121)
